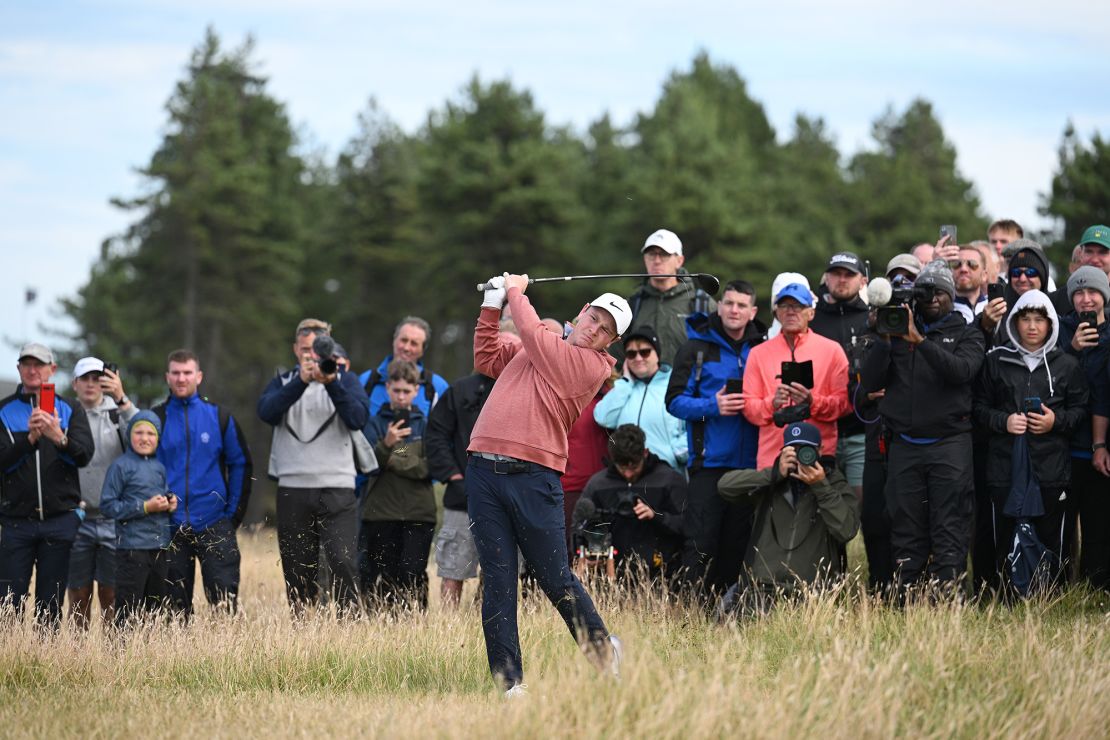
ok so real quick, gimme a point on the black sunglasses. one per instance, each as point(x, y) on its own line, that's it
point(632, 354)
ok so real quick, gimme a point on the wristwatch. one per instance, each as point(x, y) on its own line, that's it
point(64, 443)
point(123, 401)
point(1098, 446)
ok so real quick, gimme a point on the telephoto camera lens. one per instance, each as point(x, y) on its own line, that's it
point(324, 347)
point(807, 454)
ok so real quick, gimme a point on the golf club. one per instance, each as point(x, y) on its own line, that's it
point(704, 280)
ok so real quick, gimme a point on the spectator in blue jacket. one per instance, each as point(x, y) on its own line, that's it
point(640, 398)
point(136, 496)
point(208, 467)
point(410, 339)
point(720, 438)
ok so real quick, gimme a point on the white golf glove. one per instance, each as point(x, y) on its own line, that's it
point(495, 297)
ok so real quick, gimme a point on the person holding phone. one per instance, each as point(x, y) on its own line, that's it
point(799, 368)
point(1084, 335)
point(40, 490)
point(1031, 387)
point(399, 514)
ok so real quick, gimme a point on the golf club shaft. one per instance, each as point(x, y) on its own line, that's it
point(486, 286)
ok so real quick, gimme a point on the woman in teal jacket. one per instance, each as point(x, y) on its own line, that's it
point(640, 398)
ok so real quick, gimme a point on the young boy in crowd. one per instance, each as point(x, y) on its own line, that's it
point(1033, 388)
point(400, 510)
point(135, 496)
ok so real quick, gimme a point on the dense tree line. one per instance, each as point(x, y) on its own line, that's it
point(239, 233)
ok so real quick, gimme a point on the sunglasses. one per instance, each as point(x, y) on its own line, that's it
point(1029, 272)
point(632, 354)
point(957, 264)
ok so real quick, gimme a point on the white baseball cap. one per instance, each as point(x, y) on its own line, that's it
point(668, 241)
point(792, 278)
point(88, 365)
point(617, 307)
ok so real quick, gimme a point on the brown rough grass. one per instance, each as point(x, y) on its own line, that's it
point(839, 665)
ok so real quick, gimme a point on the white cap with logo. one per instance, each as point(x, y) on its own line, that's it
point(617, 307)
point(668, 241)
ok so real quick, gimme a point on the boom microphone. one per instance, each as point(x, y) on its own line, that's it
point(584, 511)
point(879, 292)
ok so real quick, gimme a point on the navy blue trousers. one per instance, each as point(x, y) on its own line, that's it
point(523, 510)
point(41, 546)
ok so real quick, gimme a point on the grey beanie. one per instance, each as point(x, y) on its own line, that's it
point(1089, 276)
point(937, 274)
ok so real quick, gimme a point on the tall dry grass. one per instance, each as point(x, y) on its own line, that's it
point(836, 666)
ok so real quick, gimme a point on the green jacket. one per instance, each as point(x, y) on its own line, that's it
point(666, 312)
point(793, 543)
point(402, 491)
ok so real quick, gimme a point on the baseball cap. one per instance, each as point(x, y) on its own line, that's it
point(1099, 235)
point(88, 365)
point(798, 292)
point(668, 241)
point(847, 260)
point(617, 307)
point(40, 352)
point(906, 262)
point(786, 278)
point(801, 433)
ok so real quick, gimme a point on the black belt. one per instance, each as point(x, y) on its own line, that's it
point(508, 467)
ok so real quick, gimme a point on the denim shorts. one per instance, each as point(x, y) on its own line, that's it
point(456, 555)
point(93, 555)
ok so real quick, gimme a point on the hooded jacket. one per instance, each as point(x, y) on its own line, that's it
point(402, 491)
point(40, 480)
point(208, 463)
point(661, 488)
point(131, 481)
point(1013, 373)
point(705, 362)
point(799, 540)
point(844, 322)
point(667, 311)
point(644, 403)
point(928, 385)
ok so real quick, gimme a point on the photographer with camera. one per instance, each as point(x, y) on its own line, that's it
point(795, 376)
point(927, 373)
point(314, 408)
point(805, 513)
point(638, 501)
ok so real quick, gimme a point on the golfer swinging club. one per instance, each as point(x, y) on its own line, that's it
point(518, 450)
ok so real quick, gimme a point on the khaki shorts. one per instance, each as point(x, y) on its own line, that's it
point(456, 555)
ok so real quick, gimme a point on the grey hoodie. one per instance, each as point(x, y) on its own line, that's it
point(107, 446)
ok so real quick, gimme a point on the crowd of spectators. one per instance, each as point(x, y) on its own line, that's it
point(954, 404)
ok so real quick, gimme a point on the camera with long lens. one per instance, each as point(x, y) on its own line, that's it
point(597, 538)
point(893, 316)
point(324, 348)
point(807, 454)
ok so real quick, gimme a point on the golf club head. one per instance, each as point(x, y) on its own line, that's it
point(709, 283)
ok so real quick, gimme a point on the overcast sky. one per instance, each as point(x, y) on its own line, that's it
point(83, 87)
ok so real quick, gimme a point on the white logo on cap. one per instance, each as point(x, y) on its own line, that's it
point(796, 431)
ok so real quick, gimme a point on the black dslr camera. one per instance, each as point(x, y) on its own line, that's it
point(894, 317)
point(324, 348)
point(626, 504)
